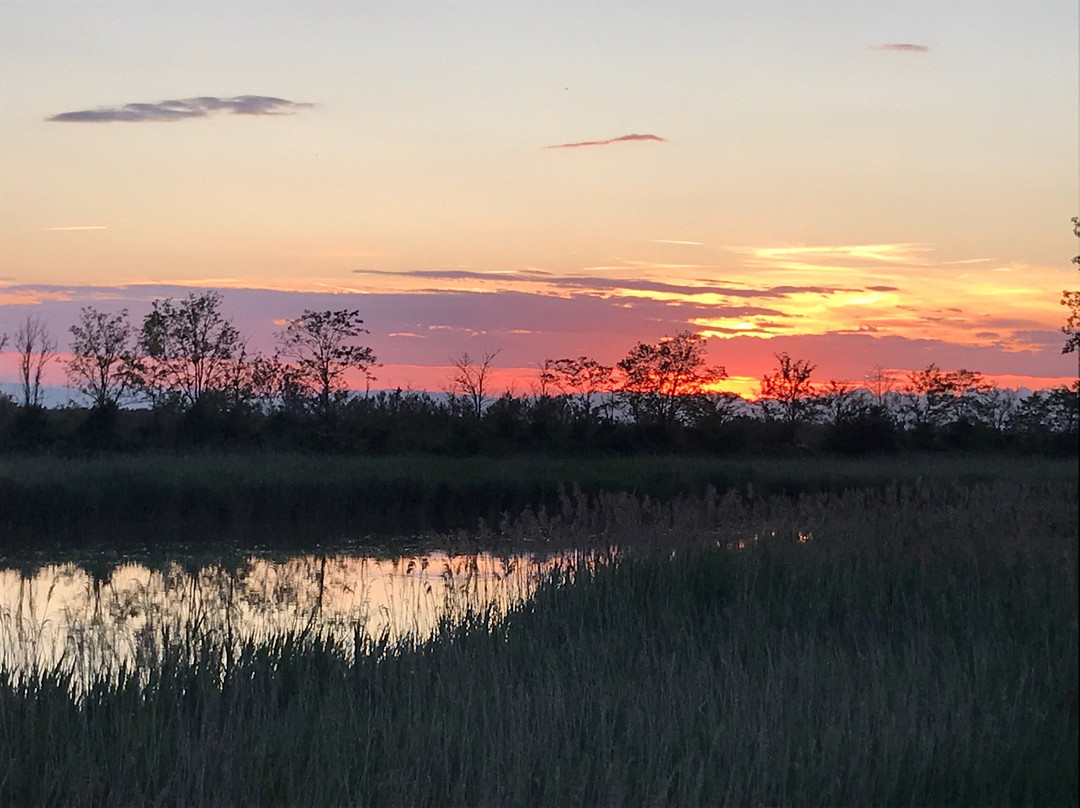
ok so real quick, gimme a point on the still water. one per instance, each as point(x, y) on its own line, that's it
point(97, 620)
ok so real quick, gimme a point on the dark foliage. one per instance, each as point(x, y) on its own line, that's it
point(409, 422)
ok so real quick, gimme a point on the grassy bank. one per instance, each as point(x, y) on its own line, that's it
point(204, 496)
point(904, 645)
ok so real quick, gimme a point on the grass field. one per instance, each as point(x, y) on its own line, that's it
point(903, 644)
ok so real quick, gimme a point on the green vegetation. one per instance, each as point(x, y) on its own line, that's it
point(271, 497)
point(900, 644)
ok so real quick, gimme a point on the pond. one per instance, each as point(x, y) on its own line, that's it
point(95, 617)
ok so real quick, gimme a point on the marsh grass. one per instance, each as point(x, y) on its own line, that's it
point(278, 498)
point(908, 645)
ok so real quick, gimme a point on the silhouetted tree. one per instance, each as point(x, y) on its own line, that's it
point(1071, 329)
point(936, 397)
point(36, 349)
point(841, 401)
point(580, 380)
point(322, 346)
point(788, 390)
point(661, 379)
point(880, 381)
point(544, 387)
point(925, 396)
point(250, 383)
point(1064, 408)
point(3, 344)
point(710, 411)
point(999, 407)
point(472, 379)
point(1071, 300)
point(103, 366)
point(1043, 418)
point(189, 346)
point(971, 396)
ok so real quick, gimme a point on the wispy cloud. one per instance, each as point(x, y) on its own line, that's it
point(623, 139)
point(835, 256)
point(903, 47)
point(440, 274)
point(592, 284)
point(676, 241)
point(183, 109)
point(634, 284)
point(862, 329)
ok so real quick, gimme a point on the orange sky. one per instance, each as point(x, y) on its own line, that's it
point(856, 184)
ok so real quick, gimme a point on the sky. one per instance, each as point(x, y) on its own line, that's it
point(855, 183)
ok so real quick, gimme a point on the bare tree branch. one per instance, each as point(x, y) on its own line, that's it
point(36, 349)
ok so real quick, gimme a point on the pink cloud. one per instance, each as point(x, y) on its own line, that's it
point(623, 139)
point(415, 335)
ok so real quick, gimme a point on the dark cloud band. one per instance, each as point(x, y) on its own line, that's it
point(183, 109)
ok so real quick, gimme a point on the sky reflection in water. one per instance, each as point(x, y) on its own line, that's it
point(62, 614)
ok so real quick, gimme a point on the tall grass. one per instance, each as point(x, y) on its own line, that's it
point(203, 498)
point(912, 645)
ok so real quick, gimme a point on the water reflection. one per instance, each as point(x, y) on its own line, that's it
point(100, 619)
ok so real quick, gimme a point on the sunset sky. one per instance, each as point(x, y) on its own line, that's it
point(855, 183)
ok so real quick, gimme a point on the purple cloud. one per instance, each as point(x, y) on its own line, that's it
point(529, 327)
point(903, 47)
point(182, 109)
point(623, 139)
point(608, 284)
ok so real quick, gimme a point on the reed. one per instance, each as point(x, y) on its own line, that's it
point(914, 644)
point(281, 498)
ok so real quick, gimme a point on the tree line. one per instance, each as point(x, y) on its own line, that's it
point(187, 354)
point(185, 376)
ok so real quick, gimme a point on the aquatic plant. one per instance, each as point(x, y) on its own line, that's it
point(915, 644)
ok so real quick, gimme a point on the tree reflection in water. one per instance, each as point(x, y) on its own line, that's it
point(93, 619)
